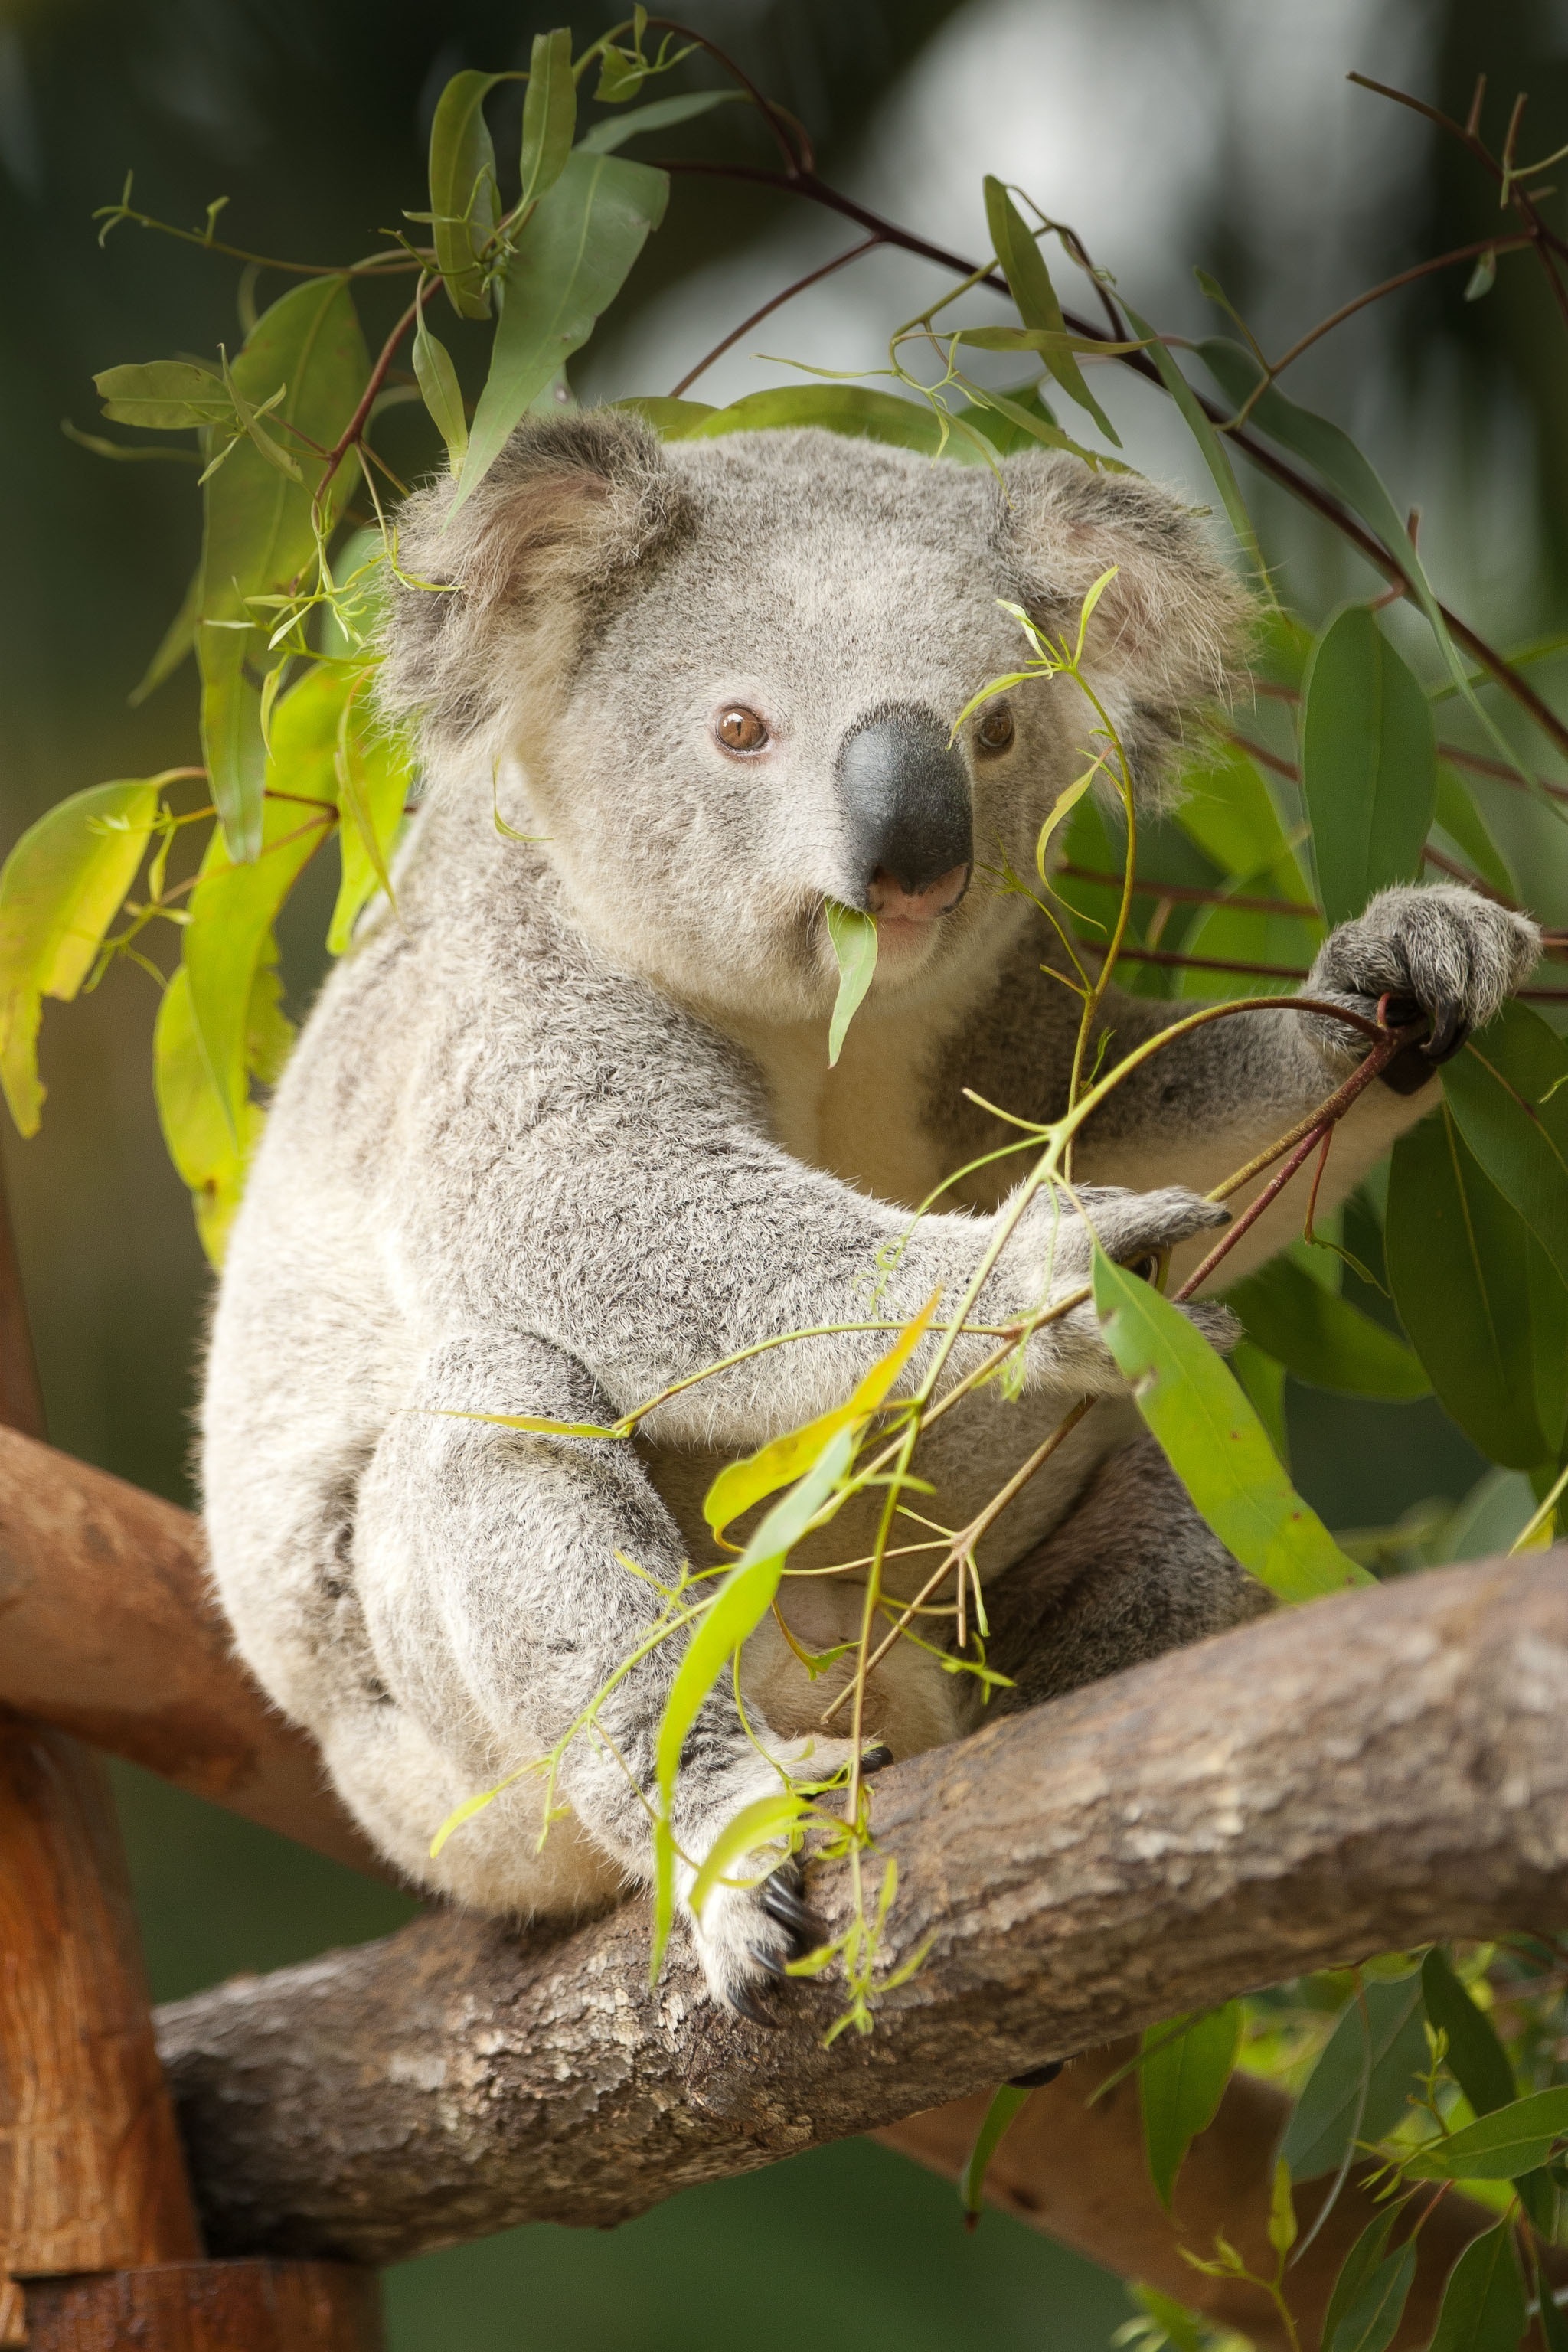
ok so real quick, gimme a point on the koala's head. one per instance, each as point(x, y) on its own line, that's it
point(725, 676)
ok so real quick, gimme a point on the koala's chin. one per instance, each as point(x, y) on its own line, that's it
point(561, 1134)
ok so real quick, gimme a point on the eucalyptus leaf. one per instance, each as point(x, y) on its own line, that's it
point(1460, 1270)
point(1483, 2307)
point(549, 114)
point(1476, 2059)
point(463, 199)
point(1500, 2146)
point(1359, 2088)
point(569, 264)
point(660, 114)
point(1322, 1338)
point(1356, 2272)
point(207, 1153)
point(1003, 2110)
point(1507, 1092)
point(165, 396)
point(1372, 2321)
point(1461, 820)
point(442, 394)
point(1216, 1443)
point(853, 937)
point(852, 408)
point(60, 888)
point(1369, 763)
point(1029, 283)
point(1186, 2064)
point(1215, 456)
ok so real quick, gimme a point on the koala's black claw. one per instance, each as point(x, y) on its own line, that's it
point(1449, 1031)
point(743, 1999)
point(783, 1904)
point(1038, 2076)
point(875, 1759)
point(769, 1960)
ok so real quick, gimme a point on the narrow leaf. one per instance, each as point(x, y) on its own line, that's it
point(1369, 763)
point(1360, 2082)
point(1215, 456)
point(661, 114)
point(442, 394)
point(463, 189)
point(165, 396)
point(1322, 1338)
point(549, 114)
point(1499, 2145)
point(1483, 2306)
point(1355, 2272)
point(1372, 2321)
point(1005, 2102)
point(854, 936)
point(1180, 2083)
point(1507, 1092)
point(1029, 283)
point(1476, 2059)
point(767, 1822)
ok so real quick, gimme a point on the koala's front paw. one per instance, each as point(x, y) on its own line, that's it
point(1444, 952)
point(746, 1936)
point(1135, 1229)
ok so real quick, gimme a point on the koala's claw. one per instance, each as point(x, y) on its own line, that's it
point(782, 1895)
point(744, 2001)
point(1444, 952)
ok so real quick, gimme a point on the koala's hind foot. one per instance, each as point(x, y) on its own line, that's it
point(1133, 1572)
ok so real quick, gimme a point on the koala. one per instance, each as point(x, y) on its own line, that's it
point(561, 1132)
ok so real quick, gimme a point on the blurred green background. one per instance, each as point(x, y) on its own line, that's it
point(1170, 132)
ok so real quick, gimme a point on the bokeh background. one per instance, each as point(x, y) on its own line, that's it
point(1171, 132)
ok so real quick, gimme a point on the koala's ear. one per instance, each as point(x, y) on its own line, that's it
point(571, 503)
point(1169, 634)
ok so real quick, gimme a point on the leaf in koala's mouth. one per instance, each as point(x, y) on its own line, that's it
point(854, 936)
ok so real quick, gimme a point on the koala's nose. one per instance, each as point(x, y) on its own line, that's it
point(905, 797)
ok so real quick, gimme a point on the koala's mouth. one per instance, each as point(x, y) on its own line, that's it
point(907, 916)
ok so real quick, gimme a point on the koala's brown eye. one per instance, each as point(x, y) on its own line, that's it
point(741, 730)
point(994, 731)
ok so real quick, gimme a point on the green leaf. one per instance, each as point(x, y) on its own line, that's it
point(1227, 811)
point(569, 265)
point(232, 910)
point(210, 1159)
point(549, 113)
point(854, 936)
point(1372, 2320)
point(60, 888)
point(1499, 2145)
point(850, 408)
point(1459, 1266)
point(1029, 283)
point(1005, 2102)
point(1483, 2303)
point(259, 533)
point(765, 1822)
point(1501, 1092)
point(1215, 456)
point(1187, 2062)
point(1216, 1443)
point(673, 420)
point(463, 189)
point(1359, 2088)
point(740, 1484)
point(1261, 1380)
point(165, 396)
point(374, 776)
point(1476, 2059)
point(1355, 2274)
point(1461, 820)
point(662, 114)
point(1336, 458)
point(1322, 1338)
point(441, 392)
point(1369, 763)
point(1282, 2211)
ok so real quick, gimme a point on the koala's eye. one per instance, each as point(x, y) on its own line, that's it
point(994, 731)
point(740, 729)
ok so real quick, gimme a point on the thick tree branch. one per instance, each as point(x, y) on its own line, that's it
point(1382, 1769)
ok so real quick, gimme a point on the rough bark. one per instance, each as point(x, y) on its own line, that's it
point(1384, 1769)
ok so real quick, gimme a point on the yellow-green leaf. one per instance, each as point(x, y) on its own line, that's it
point(210, 1159)
point(854, 936)
point(60, 888)
point(1186, 2064)
point(767, 1822)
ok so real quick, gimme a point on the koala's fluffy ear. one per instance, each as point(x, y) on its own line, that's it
point(1169, 634)
point(571, 503)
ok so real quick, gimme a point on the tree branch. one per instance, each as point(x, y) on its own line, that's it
point(1381, 1770)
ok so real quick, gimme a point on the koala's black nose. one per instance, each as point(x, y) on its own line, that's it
point(905, 797)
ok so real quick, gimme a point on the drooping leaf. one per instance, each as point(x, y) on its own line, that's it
point(852, 408)
point(740, 1484)
point(1499, 2145)
point(659, 114)
point(441, 392)
point(165, 396)
point(767, 1822)
point(569, 264)
point(1462, 821)
point(1507, 1092)
point(1215, 456)
point(1007, 2100)
point(1483, 2306)
point(259, 533)
point(1181, 2081)
point(1261, 1379)
point(995, 418)
point(1029, 283)
point(1369, 763)
point(463, 201)
point(1355, 2274)
point(854, 936)
point(209, 1158)
point(60, 888)
point(1216, 1443)
point(1476, 2059)
point(1372, 2321)
point(374, 775)
point(1359, 2086)
point(549, 113)
point(1459, 1266)
point(232, 910)
point(1322, 1338)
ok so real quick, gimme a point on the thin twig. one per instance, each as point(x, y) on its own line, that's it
point(812, 277)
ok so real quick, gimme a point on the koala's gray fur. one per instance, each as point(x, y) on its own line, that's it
point(561, 1132)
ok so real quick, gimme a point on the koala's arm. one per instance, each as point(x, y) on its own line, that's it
point(1200, 1109)
point(648, 1227)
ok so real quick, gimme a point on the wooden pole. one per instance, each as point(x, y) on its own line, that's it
point(99, 2242)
